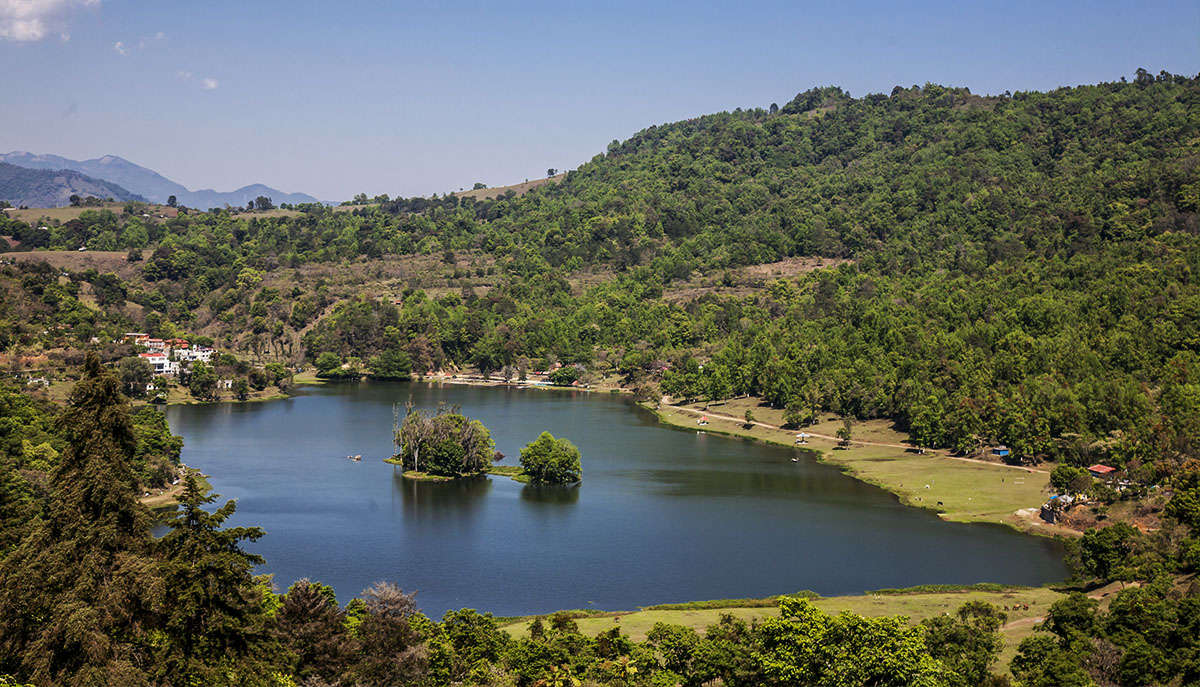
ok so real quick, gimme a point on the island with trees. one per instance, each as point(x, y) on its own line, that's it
point(442, 445)
point(1014, 269)
point(550, 460)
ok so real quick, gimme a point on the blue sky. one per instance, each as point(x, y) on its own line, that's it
point(413, 98)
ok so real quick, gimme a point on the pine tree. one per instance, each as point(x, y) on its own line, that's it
point(78, 591)
point(212, 612)
point(313, 629)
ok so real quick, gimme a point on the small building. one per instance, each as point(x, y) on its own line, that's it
point(1101, 471)
point(163, 365)
point(1001, 452)
point(200, 353)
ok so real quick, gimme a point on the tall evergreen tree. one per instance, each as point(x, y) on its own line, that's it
point(312, 628)
point(212, 614)
point(80, 588)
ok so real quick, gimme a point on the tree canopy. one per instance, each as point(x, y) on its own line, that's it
point(551, 461)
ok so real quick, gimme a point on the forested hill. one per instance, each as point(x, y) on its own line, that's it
point(53, 188)
point(923, 177)
point(1020, 267)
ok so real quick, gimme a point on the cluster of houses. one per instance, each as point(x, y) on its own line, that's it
point(168, 356)
point(1059, 504)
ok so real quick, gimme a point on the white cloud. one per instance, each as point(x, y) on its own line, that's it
point(119, 47)
point(208, 83)
point(33, 20)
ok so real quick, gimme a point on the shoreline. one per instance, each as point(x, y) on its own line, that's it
point(1024, 607)
point(861, 461)
point(869, 462)
point(169, 497)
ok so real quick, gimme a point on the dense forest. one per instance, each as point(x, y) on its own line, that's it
point(89, 597)
point(1007, 269)
point(1016, 269)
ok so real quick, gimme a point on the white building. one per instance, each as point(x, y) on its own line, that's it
point(163, 365)
point(201, 353)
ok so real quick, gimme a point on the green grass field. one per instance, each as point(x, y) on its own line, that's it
point(916, 607)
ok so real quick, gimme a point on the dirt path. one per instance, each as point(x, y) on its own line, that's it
point(1022, 622)
point(1098, 595)
point(906, 447)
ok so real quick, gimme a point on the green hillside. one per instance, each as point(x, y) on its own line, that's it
point(1019, 265)
point(1014, 269)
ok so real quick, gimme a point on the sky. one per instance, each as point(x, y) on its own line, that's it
point(415, 98)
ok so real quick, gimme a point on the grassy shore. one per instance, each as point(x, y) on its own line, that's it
point(915, 605)
point(514, 472)
point(958, 490)
point(419, 476)
point(169, 497)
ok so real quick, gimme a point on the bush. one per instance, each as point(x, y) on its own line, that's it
point(565, 376)
point(551, 461)
point(1070, 480)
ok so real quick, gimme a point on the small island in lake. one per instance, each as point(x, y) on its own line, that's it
point(551, 461)
point(443, 445)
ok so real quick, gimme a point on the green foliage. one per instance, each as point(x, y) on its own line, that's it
point(1148, 635)
point(135, 374)
point(767, 602)
point(968, 642)
point(202, 381)
point(156, 456)
point(312, 630)
point(446, 443)
point(68, 589)
point(805, 646)
point(391, 364)
point(565, 376)
point(1107, 553)
point(845, 432)
point(208, 624)
point(548, 460)
point(1184, 505)
point(1068, 479)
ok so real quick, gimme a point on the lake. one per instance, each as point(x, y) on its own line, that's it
point(662, 515)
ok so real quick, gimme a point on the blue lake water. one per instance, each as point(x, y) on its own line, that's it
point(662, 514)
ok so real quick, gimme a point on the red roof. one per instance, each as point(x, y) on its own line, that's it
point(1102, 469)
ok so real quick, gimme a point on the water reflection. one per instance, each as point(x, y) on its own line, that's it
point(551, 493)
point(423, 500)
point(697, 516)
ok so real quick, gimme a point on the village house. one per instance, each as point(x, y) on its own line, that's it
point(200, 353)
point(162, 363)
point(1100, 471)
point(168, 354)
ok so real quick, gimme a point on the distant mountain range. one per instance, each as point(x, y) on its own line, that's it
point(150, 184)
point(50, 188)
